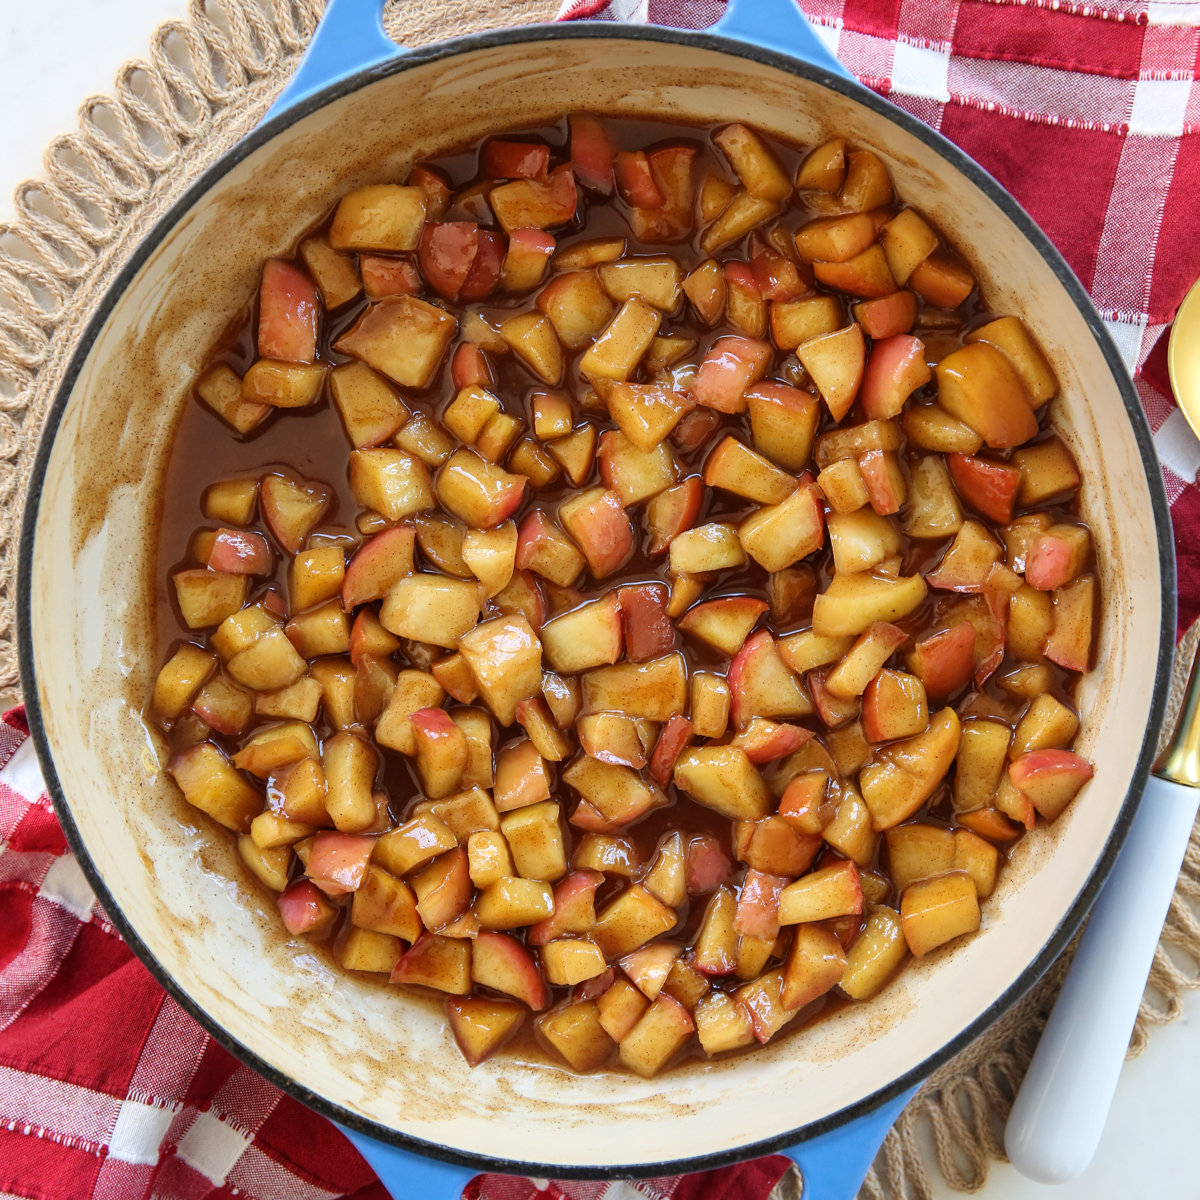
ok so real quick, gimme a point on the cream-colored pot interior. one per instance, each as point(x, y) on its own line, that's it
point(173, 875)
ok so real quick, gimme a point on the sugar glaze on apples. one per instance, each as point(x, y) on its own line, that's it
point(623, 582)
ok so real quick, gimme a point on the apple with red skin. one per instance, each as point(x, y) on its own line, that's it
point(895, 370)
point(485, 269)
point(543, 547)
point(338, 862)
point(287, 313)
point(574, 908)
point(673, 511)
point(1047, 565)
point(989, 487)
point(833, 710)
point(1050, 778)
point(470, 368)
point(778, 278)
point(389, 276)
point(695, 428)
point(672, 741)
point(525, 263)
point(477, 491)
point(590, 819)
point(592, 154)
point(707, 866)
point(945, 661)
point(594, 988)
point(765, 741)
point(304, 908)
point(446, 253)
point(441, 751)
point(292, 508)
point(648, 630)
point(724, 623)
point(596, 519)
point(378, 566)
point(757, 673)
point(437, 190)
point(499, 961)
point(240, 552)
point(758, 905)
point(888, 315)
point(515, 160)
point(524, 596)
point(635, 183)
point(731, 366)
point(435, 962)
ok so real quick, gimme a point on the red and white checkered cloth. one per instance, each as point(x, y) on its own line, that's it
point(1090, 116)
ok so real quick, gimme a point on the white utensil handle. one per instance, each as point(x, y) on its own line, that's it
point(1063, 1103)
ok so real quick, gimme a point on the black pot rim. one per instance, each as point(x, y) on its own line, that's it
point(583, 31)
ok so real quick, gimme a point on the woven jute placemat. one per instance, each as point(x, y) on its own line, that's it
point(206, 82)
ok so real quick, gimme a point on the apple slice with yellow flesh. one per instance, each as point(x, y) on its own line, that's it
point(905, 774)
point(895, 370)
point(500, 962)
point(1050, 778)
point(816, 962)
point(833, 891)
point(980, 387)
point(481, 1025)
point(724, 779)
point(836, 362)
point(762, 685)
point(724, 623)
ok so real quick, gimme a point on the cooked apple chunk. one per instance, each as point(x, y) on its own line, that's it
point(724, 779)
point(209, 782)
point(403, 338)
point(903, 776)
point(505, 656)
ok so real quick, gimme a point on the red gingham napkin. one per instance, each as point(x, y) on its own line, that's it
point(1090, 117)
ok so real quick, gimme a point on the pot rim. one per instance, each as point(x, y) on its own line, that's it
point(851, 89)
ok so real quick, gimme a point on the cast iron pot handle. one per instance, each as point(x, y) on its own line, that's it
point(833, 1165)
point(351, 38)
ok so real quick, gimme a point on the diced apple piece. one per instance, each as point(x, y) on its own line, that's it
point(764, 741)
point(816, 962)
point(529, 251)
point(934, 510)
point(182, 675)
point(649, 633)
point(833, 891)
point(745, 308)
point(715, 950)
point(336, 274)
point(621, 1007)
point(573, 908)
point(685, 591)
point(422, 437)
point(617, 792)
point(606, 854)
point(210, 783)
point(732, 365)
point(705, 288)
point(979, 386)
point(441, 751)
point(671, 170)
point(597, 521)
point(320, 631)
point(616, 353)
point(918, 851)
point(370, 408)
point(657, 1037)
point(207, 597)
point(438, 962)
point(762, 686)
point(432, 609)
point(803, 652)
point(713, 547)
point(500, 962)
point(575, 453)
point(337, 862)
point(587, 637)
point(652, 691)
point(1047, 725)
point(386, 905)
point(634, 474)
point(1050, 778)
point(936, 911)
point(282, 384)
point(481, 1025)
point(305, 909)
point(389, 276)
point(1070, 640)
point(836, 363)
point(824, 169)
point(532, 338)
point(930, 427)
point(895, 705)
point(945, 661)
point(535, 203)
point(569, 961)
point(989, 487)
point(852, 603)
point(1011, 336)
point(655, 280)
point(270, 867)
point(783, 421)
point(611, 738)
point(753, 162)
point(707, 865)
point(865, 659)
point(861, 540)
point(542, 547)
point(646, 413)
point(649, 967)
point(723, 1023)
point(666, 878)
point(724, 779)
point(904, 775)
point(875, 955)
point(794, 322)
point(592, 154)
point(1030, 623)
point(404, 338)
point(535, 839)
point(736, 468)
point(942, 280)
point(631, 920)
point(763, 1000)
point(443, 888)
point(221, 389)
point(223, 706)
point(350, 764)
point(907, 241)
point(743, 212)
point(577, 306)
point(379, 217)
point(725, 623)
point(866, 274)
point(505, 656)
point(895, 370)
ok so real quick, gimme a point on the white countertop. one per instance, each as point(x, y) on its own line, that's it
point(56, 53)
